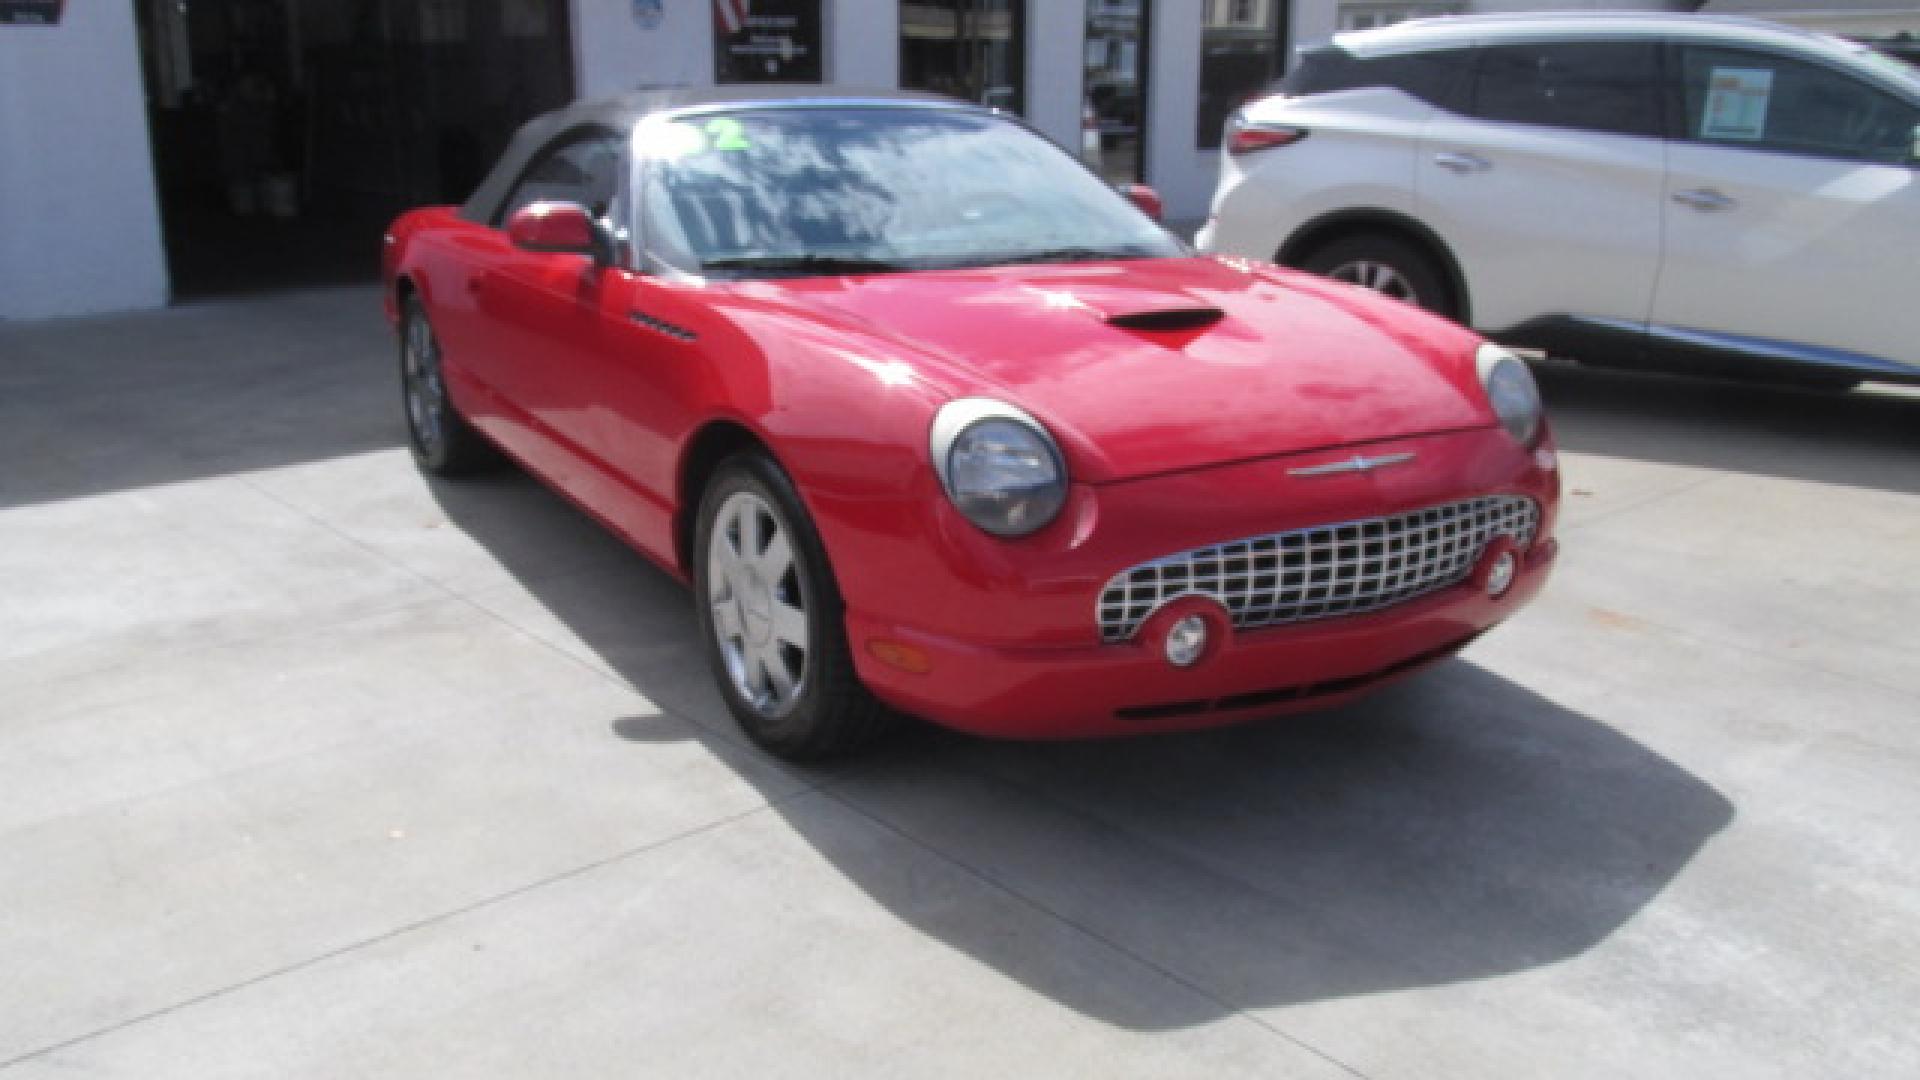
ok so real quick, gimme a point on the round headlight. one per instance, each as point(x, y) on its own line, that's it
point(1511, 391)
point(998, 465)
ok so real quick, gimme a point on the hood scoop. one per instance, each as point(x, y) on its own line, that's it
point(1168, 320)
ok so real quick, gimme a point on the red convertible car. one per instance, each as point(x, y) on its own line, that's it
point(934, 421)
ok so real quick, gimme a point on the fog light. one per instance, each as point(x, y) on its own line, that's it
point(1187, 641)
point(1500, 574)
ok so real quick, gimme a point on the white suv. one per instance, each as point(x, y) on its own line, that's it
point(1675, 190)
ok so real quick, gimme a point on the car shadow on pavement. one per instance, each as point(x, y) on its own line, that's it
point(1866, 438)
point(1454, 827)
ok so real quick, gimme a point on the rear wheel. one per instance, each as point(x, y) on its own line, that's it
point(1387, 265)
point(772, 618)
point(442, 441)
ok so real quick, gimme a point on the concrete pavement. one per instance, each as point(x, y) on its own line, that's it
point(309, 767)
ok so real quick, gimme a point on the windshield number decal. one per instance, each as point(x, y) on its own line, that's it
point(725, 133)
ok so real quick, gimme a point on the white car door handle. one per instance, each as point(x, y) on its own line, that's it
point(1705, 199)
point(1462, 163)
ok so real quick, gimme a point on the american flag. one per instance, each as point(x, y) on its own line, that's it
point(732, 14)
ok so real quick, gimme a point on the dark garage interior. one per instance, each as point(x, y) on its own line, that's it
point(286, 133)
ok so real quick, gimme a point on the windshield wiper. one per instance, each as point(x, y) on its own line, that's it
point(1069, 255)
point(803, 264)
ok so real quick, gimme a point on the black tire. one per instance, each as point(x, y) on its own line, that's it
point(1386, 264)
point(827, 711)
point(442, 441)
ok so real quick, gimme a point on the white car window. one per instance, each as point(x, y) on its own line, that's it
point(1608, 86)
point(1763, 101)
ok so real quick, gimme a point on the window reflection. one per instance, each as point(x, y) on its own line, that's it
point(1114, 105)
point(970, 49)
point(1242, 50)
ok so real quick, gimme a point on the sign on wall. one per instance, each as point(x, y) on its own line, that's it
point(30, 12)
point(766, 40)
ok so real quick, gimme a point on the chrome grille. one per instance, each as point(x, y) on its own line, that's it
point(1324, 571)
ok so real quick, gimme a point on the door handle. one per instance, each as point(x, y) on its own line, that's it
point(1462, 163)
point(1705, 200)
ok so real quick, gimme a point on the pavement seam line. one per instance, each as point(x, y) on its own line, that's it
point(1175, 978)
point(401, 931)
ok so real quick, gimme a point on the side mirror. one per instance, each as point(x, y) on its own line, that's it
point(560, 227)
point(1147, 199)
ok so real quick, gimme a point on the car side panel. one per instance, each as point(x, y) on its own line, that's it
point(508, 333)
point(1807, 250)
point(444, 258)
point(1544, 221)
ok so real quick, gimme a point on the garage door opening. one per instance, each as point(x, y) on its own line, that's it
point(287, 133)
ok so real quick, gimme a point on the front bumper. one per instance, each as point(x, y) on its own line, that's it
point(1063, 693)
point(1002, 638)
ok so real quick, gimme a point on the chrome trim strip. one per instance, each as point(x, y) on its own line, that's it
point(1356, 463)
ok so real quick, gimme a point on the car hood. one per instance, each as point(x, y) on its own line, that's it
point(1153, 366)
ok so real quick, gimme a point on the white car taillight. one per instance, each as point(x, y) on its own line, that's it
point(1245, 138)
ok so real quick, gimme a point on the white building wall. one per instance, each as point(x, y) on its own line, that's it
point(863, 43)
point(1176, 167)
point(79, 221)
point(1056, 68)
point(614, 51)
point(1312, 22)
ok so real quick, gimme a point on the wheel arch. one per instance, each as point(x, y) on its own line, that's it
point(394, 295)
point(717, 440)
point(1327, 228)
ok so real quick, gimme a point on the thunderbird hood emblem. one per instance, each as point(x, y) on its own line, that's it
point(1356, 463)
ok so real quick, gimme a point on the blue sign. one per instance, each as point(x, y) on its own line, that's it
point(649, 13)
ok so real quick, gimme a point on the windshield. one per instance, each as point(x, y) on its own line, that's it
point(786, 192)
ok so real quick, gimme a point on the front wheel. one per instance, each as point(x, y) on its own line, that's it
point(772, 619)
point(1387, 265)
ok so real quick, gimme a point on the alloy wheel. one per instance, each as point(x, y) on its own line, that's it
point(758, 600)
point(1379, 276)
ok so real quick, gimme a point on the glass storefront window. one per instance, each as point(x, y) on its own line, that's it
point(970, 49)
point(1113, 111)
point(1242, 50)
point(766, 41)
